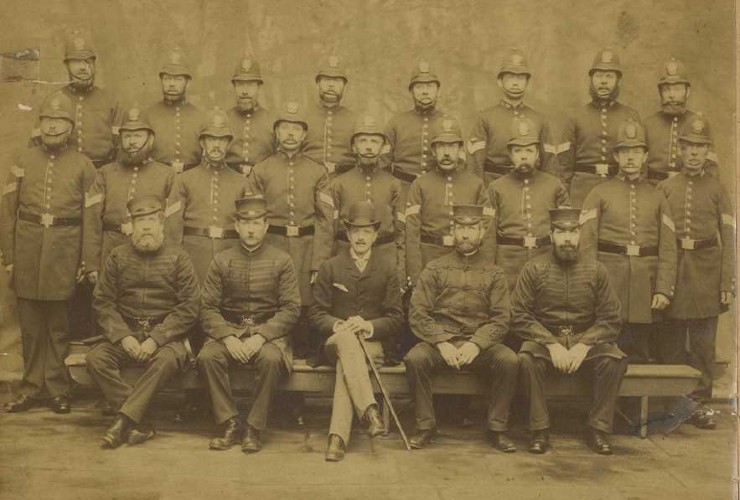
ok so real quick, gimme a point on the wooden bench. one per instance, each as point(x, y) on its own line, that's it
point(640, 381)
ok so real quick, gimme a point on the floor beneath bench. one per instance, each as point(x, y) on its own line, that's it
point(43, 455)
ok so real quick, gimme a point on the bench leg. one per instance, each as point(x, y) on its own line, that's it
point(643, 416)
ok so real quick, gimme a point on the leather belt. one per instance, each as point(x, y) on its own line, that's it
point(661, 175)
point(602, 169)
point(124, 228)
point(48, 220)
point(497, 169)
point(525, 242)
point(692, 244)
point(213, 232)
point(382, 239)
point(565, 330)
point(629, 250)
point(292, 231)
point(404, 176)
point(143, 323)
point(442, 241)
point(245, 319)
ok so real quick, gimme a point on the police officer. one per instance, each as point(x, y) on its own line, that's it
point(366, 181)
point(488, 145)
point(298, 207)
point(175, 121)
point(96, 113)
point(627, 225)
point(252, 124)
point(145, 301)
point(107, 221)
point(329, 122)
point(356, 293)
point(40, 238)
point(460, 312)
point(250, 304)
point(521, 200)
point(565, 310)
point(429, 221)
point(589, 136)
point(705, 285)
point(663, 127)
point(200, 211)
point(409, 133)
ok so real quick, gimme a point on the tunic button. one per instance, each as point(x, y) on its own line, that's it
point(526, 181)
point(424, 164)
point(426, 119)
point(603, 150)
point(290, 163)
point(529, 206)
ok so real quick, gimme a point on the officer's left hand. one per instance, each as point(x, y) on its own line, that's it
point(81, 275)
point(467, 353)
point(147, 349)
point(361, 326)
point(253, 345)
point(660, 302)
point(314, 274)
point(726, 298)
point(576, 355)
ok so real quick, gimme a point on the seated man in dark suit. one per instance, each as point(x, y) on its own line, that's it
point(356, 293)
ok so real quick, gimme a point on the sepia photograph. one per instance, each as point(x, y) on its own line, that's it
point(361, 249)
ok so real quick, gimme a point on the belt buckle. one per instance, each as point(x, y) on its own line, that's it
point(530, 242)
point(127, 228)
point(331, 167)
point(602, 169)
point(448, 240)
point(215, 232)
point(688, 243)
point(178, 165)
point(246, 169)
point(47, 220)
point(672, 173)
point(566, 331)
point(247, 320)
point(633, 250)
point(292, 231)
point(144, 324)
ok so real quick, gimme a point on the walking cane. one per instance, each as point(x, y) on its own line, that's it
point(386, 397)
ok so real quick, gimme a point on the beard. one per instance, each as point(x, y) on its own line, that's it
point(54, 142)
point(136, 157)
point(246, 105)
point(81, 84)
point(524, 168)
point(467, 246)
point(330, 97)
point(148, 242)
point(172, 97)
point(613, 95)
point(673, 108)
point(566, 253)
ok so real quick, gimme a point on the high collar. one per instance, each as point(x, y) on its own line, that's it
point(470, 258)
point(297, 153)
point(209, 166)
point(367, 169)
point(519, 105)
point(252, 253)
point(698, 175)
point(598, 103)
point(448, 173)
point(625, 179)
point(354, 256)
point(57, 151)
point(179, 102)
point(530, 177)
point(73, 89)
point(251, 112)
point(426, 111)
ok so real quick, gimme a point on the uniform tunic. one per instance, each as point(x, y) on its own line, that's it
point(522, 206)
point(384, 191)
point(202, 199)
point(254, 138)
point(588, 140)
point(176, 128)
point(97, 116)
point(294, 188)
point(328, 139)
point(45, 259)
point(107, 222)
point(429, 213)
point(702, 211)
point(662, 131)
point(488, 140)
point(624, 212)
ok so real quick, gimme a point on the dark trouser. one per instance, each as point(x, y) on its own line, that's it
point(81, 325)
point(605, 372)
point(637, 342)
point(214, 361)
point(45, 338)
point(498, 365)
point(104, 362)
point(701, 334)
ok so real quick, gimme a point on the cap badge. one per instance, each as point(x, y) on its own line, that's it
point(176, 58)
point(291, 107)
point(333, 61)
point(672, 68)
point(448, 125)
point(607, 56)
point(79, 43)
point(523, 128)
point(697, 126)
point(133, 114)
point(631, 131)
point(517, 59)
point(369, 121)
point(219, 120)
point(246, 64)
point(424, 67)
point(55, 104)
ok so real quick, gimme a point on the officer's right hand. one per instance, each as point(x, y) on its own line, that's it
point(236, 349)
point(560, 357)
point(92, 277)
point(9, 269)
point(449, 354)
point(131, 346)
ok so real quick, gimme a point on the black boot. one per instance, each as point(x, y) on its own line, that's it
point(232, 435)
point(540, 442)
point(117, 434)
point(252, 442)
point(501, 442)
point(422, 438)
point(599, 442)
point(335, 450)
point(374, 422)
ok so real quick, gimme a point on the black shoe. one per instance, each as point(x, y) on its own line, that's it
point(598, 442)
point(251, 442)
point(422, 438)
point(501, 442)
point(117, 434)
point(232, 435)
point(703, 418)
point(375, 425)
point(21, 403)
point(60, 404)
point(335, 449)
point(540, 442)
point(141, 433)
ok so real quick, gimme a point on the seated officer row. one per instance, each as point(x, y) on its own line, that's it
point(147, 298)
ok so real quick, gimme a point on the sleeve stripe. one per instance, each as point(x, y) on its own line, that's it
point(728, 220)
point(562, 148)
point(17, 171)
point(36, 132)
point(551, 148)
point(336, 214)
point(401, 217)
point(712, 156)
point(475, 145)
point(587, 215)
point(115, 130)
point(93, 200)
point(10, 188)
point(669, 223)
point(326, 199)
point(413, 210)
point(173, 209)
point(386, 149)
point(489, 211)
